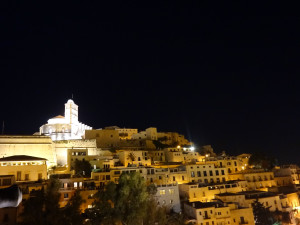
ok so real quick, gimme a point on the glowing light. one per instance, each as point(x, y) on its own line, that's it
point(192, 148)
point(243, 167)
point(206, 155)
point(184, 149)
point(178, 146)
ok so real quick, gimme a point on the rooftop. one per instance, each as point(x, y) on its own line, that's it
point(200, 205)
point(21, 158)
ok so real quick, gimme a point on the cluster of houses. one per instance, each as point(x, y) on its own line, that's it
point(209, 189)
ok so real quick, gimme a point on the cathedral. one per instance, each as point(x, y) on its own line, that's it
point(65, 127)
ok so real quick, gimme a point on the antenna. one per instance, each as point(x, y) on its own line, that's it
point(72, 96)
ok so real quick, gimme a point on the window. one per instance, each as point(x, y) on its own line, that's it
point(205, 173)
point(27, 176)
point(5, 218)
point(198, 173)
point(222, 172)
point(6, 182)
point(66, 195)
point(171, 191)
point(210, 173)
point(192, 174)
point(182, 177)
point(174, 178)
point(217, 172)
point(19, 173)
point(162, 192)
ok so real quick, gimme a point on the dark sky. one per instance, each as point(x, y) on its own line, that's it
point(225, 75)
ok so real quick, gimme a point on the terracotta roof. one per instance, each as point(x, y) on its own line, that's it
point(59, 116)
point(21, 158)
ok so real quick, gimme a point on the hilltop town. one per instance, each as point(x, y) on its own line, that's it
point(206, 187)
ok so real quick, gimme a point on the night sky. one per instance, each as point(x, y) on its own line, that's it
point(219, 77)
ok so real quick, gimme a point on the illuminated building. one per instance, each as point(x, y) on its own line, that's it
point(206, 192)
point(105, 138)
point(24, 168)
point(257, 179)
point(33, 145)
point(215, 213)
point(65, 127)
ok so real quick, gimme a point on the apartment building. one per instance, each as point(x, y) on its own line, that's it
point(206, 173)
point(194, 192)
point(24, 167)
point(218, 213)
point(257, 179)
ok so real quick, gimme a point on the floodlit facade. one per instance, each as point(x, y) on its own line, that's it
point(216, 213)
point(257, 179)
point(105, 138)
point(206, 173)
point(126, 133)
point(24, 168)
point(61, 149)
point(168, 195)
point(291, 171)
point(134, 158)
point(194, 192)
point(37, 146)
point(65, 127)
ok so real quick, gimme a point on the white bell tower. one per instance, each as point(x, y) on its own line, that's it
point(71, 112)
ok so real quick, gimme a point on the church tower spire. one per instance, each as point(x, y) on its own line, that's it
point(71, 112)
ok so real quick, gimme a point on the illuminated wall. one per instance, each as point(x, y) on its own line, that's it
point(65, 127)
point(38, 146)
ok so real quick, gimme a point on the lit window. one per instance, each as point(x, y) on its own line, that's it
point(171, 191)
point(162, 192)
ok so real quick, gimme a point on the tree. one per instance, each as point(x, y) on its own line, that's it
point(159, 145)
point(156, 215)
point(82, 168)
point(43, 206)
point(131, 198)
point(71, 212)
point(33, 209)
point(125, 202)
point(262, 215)
point(261, 161)
point(103, 211)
